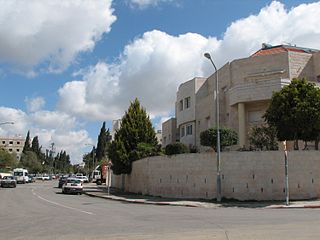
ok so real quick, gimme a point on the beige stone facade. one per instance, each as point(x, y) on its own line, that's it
point(13, 145)
point(169, 132)
point(245, 175)
point(245, 90)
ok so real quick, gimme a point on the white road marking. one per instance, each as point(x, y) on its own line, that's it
point(61, 205)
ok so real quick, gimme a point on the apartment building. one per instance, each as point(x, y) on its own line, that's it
point(245, 90)
point(13, 145)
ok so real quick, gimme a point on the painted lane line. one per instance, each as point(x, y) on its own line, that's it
point(61, 205)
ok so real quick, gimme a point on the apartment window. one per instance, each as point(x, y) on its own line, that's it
point(3, 142)
point(182, 132)
point(181, 105)
point(18, 143)
point(189, 130)
point(10, 149)
point(187, 102)
point(11, 142)
point(18, 150)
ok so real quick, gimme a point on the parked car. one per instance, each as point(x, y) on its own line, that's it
point(8, 181)
point(72, 185)
point(31, 179)
point(83, 178)
point(62, 180)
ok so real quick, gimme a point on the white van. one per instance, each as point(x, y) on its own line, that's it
point(21, 175)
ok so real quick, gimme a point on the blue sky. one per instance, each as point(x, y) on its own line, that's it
point(67, 66)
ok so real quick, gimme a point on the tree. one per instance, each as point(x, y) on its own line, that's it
point(30, 161)
point(294, 112)
point(104, 139)
point(228, 137)
point(136, 128)
point(264, 137)
point(27, 146)
point(7, 160)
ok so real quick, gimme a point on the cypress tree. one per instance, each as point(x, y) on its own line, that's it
point(27, 146)
point(104, 139)
point(136, 128)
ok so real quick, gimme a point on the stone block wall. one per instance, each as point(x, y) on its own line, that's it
point(245, 175)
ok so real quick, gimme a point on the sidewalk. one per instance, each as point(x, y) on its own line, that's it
point(101, 191)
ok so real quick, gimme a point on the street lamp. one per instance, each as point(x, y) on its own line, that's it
point(217, 112)
point(3, 123)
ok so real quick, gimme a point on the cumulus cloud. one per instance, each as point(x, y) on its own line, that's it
point(154, 64)
point(150, 68)
point(56, 127)
point(147, 3)
point(34, 104)
point(50, 33)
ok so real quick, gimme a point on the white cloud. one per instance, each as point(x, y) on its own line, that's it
point(150, 68)
point(56, 127)
point(153, 65)
point(51, 32)
point(147, 3)
point(34, 104)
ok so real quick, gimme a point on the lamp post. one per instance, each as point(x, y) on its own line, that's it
point(217, 113)
point(3, 123)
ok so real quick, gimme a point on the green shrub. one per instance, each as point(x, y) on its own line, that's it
point(176, 148)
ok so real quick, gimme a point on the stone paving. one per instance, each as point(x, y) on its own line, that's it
point(102, 192)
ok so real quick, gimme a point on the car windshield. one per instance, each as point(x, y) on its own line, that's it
point(73, 181)
point(18, 173)
point(8, 178)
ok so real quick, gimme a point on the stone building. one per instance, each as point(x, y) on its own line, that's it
point(245, 90)
point(13, 145)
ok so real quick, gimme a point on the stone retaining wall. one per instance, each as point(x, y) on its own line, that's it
point(245, 175)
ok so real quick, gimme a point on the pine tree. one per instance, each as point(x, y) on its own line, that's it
point(136, 128)
point(27, 146)
point(35, 147)
point(104, 139)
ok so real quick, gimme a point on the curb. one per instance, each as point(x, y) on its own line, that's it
point(292, 206)
point(142, 201)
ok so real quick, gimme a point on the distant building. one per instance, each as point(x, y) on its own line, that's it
point(169, 132)
point(13, 145)
point(116, 124)
point(159, 136)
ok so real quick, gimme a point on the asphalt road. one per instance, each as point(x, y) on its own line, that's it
point(40, 211)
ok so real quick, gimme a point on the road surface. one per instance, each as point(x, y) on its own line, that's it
point(40, 211)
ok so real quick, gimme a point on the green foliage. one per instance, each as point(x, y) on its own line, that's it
point(7, 160)
point(264, 138)
point(27, 146)
point(294, 112)
point(136, 128)
point(176, 148)
point(104, 139)
point(228, 137)
point(62, 162)
point(30, 161)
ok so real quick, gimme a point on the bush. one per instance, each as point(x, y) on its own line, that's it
point(176, 148)
point(228, 137)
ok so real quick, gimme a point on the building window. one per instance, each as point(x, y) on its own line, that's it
point(182, 132)
point(180, 105)
point(10, 149)
point(3, 142)
point(18, 150)
point(189, 130)
point(18, 143)
point(187, 102)
point(11, 142)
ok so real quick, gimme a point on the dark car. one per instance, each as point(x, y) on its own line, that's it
point(31, 179)
point(8, 181)
point(62, 180)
